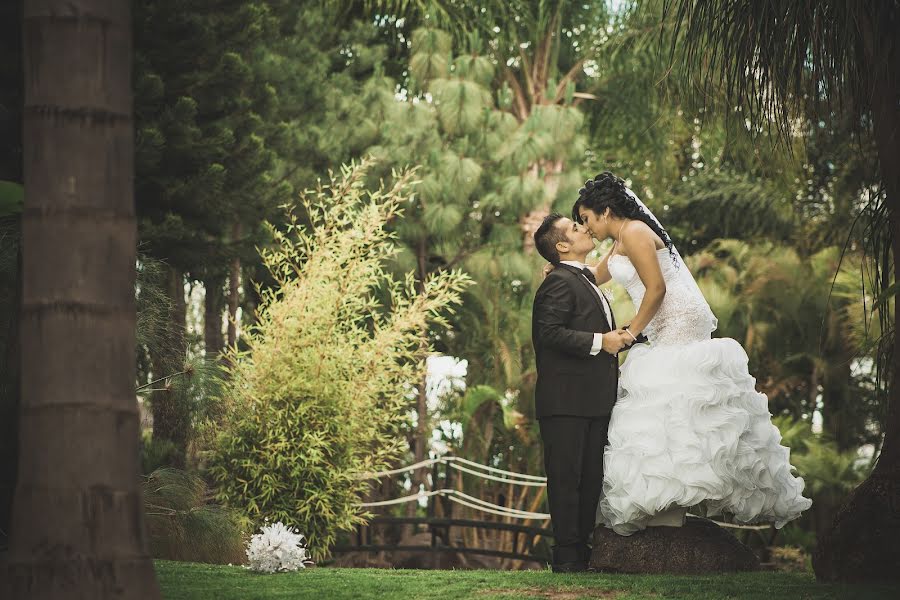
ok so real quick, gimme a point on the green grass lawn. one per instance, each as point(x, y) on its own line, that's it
point(190, 581)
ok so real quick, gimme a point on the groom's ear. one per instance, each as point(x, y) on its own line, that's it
point(562, 247)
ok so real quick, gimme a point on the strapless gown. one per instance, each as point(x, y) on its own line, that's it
point(689, 426)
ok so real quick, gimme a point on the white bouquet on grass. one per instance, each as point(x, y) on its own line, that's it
point(277, 548)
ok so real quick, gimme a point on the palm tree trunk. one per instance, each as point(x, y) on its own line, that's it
point(864, 541)
point(78, 528)
point(887, 133)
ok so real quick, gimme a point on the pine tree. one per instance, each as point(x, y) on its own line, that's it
point(205, 137)
point(476, 170)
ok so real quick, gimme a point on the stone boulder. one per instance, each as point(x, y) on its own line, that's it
point(700, 546)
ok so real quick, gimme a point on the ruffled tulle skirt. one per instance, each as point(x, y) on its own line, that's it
point(690, 427)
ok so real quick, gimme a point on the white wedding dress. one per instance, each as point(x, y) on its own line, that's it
point(689, 425)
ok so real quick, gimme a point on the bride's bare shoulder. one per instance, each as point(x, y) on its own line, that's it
point(637, 234)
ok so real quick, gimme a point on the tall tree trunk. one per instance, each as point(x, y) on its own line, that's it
point(234, 289)
point(864, 541)
point(171, 415)
point(213, 306)
point(78, 528)
point(836, 394)
point(530, 222)
point(420, 440)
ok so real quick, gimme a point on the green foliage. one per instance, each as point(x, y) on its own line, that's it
point(12, 197)
point(801, 53)
point(189, 386)
point(803, 326)
point(153, 307)
point(207, 137)
point(156, 454)
point(506, 107)
point(726, 203)
point(182, 525)
point(316, 398)
point(483, 413)
point(828, 472)
point(481, 168)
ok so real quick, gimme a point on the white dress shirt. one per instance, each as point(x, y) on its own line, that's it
point(598, 337)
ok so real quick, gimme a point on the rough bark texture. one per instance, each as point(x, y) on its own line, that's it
point(700, 546)
point(864, 541)
point(213, 306)
point(78, 528)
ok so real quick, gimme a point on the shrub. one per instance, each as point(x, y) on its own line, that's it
point(156, 454)
point(318, 395)
point(182, 525)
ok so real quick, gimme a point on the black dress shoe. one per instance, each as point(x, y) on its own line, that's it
point(569, 567)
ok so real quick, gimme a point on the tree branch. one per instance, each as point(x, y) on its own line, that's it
point(521, 111)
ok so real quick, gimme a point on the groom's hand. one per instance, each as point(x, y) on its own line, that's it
point(614, 341)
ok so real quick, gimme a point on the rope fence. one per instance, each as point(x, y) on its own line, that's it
point(465, 500)
point(502, 476)
point(456, 462)
point(473, 468)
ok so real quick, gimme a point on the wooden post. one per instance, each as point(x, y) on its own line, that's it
point(434, 485)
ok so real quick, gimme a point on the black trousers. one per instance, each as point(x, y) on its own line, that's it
point(573, 461)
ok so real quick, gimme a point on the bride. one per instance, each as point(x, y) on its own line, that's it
point(688, 425)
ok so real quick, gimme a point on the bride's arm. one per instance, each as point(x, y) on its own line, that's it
point(641, 250)
point(601, 269)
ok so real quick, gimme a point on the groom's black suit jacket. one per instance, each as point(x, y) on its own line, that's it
point(567, 312)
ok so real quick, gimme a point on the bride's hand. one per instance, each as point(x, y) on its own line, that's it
point(548, 268)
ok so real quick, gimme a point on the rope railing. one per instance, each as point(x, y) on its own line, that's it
point(458, 496)
point(495, 470)
point(457, 463)
point(464, 499)
point(413, 467)
point(494, 478)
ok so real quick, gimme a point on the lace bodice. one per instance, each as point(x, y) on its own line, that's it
point(682, 317)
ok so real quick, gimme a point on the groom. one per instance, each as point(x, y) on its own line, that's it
point(575, 344)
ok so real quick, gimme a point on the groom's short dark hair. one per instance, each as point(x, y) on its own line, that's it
point(547, 236)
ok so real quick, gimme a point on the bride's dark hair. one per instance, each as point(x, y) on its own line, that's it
point(608, 191)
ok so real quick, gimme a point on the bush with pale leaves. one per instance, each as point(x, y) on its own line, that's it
point(318, 390)
point(277, 548)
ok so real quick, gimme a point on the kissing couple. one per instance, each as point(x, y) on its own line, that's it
point(681, 423)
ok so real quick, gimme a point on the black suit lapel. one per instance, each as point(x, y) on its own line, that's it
point(590, 289)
